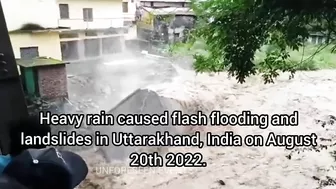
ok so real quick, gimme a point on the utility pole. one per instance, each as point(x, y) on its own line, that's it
point(12, 102)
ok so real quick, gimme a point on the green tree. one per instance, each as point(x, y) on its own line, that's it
point(234, 30)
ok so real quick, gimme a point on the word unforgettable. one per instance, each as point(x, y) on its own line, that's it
point(216, 118)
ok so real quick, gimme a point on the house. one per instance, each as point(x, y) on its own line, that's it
point(96, 28)
point(65, 29)
point(44, 77)
point(317, 38)
point(33, 28)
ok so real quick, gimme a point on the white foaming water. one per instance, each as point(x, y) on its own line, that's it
point(121, 62)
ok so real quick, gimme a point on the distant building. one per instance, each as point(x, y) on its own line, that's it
point(317, 38)
point(138, 8)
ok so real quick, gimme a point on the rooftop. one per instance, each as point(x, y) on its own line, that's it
point(40, 61)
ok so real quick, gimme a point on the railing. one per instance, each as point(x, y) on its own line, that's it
point(96, 23)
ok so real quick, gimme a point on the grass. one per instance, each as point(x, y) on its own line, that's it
point(305, 59)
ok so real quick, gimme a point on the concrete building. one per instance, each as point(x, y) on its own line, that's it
point(96, 28)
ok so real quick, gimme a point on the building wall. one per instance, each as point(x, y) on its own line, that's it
point(48, 43)
point(130, 15)
point(19, 12)
point(106, 14)
point(52, 82)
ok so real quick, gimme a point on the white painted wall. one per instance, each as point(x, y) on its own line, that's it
point(132, 33)
point(106, 14)
point(163, 4)
point(20, 12)
point(48, 43)
point(130, 15)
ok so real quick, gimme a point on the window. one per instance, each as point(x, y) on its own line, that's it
point(91, 33)
point(87, 14)
point(29, 52)
point(125, 6)
point(64, 11)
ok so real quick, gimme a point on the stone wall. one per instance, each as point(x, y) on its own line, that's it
point(52, 82)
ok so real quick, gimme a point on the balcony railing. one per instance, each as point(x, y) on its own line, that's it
point(96, 23)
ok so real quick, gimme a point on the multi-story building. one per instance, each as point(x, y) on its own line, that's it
point(65, 29)
point(169, 24)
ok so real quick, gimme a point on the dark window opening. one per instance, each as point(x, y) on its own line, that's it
point(29, 52)
point(64, 11)
point(125, 7)
point(87, 14)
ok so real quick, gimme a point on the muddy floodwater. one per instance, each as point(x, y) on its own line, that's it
point(312, 94)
